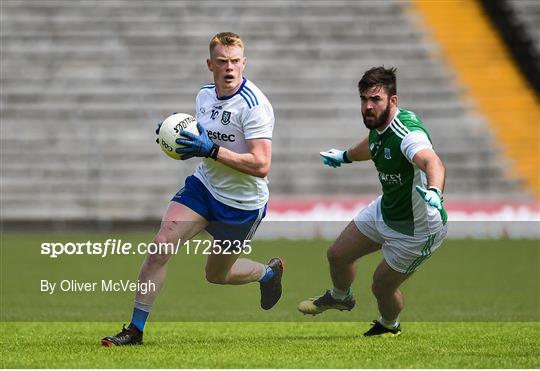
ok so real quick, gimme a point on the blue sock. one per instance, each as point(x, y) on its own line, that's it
point(268, 274)
point(140, 314)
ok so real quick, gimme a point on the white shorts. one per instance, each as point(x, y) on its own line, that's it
point(402, 252)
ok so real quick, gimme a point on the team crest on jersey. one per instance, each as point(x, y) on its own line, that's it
point(374, 147)
point(387, 154)
point(226, 118)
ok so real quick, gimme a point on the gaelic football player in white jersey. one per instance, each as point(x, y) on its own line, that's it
point(408, 222)
point(228, 193)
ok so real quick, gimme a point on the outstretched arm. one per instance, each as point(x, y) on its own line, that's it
point(428, 161)
point(335, 157)
point(360, 151)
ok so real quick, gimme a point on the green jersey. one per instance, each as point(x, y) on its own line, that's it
point(402, 208)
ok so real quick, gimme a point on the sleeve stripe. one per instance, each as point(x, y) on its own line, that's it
point(246, 99)
point(401, 126)
point(245, 93)
point(396, 130)
point(249, 91)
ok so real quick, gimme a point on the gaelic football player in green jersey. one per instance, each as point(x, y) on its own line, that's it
point(407, 222)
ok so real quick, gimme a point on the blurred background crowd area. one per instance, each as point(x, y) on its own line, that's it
point(84, 83)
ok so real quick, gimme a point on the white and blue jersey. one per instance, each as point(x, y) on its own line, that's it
point(229, 122)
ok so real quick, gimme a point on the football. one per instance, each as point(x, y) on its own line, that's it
point(170, 131)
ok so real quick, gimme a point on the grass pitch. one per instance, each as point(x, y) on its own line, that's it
point(273, 345)
point(474, 304)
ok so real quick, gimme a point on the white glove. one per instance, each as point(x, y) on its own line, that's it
point(432, 196)
point(335, 157)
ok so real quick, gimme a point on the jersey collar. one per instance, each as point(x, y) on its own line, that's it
point(232, 95)
point(387, 126)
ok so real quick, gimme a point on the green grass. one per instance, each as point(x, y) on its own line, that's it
point(273, 345)
point(465, 280)
point(474, 304)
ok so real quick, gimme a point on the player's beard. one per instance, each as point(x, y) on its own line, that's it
point(378, 121)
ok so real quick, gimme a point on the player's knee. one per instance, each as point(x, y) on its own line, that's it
point(216, 277)
point(332, 255)
point(376, 289)
point(381, 290)
point(335, 256)
point(158, 259)
point(159, 256)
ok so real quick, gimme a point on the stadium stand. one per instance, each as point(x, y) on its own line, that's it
point(477, 53)
point(516, 32)
point(84, 84)
point(528, 14)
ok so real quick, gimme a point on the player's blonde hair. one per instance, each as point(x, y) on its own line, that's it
point(226, 39)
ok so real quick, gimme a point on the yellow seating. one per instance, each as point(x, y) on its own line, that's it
point(486, 70)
